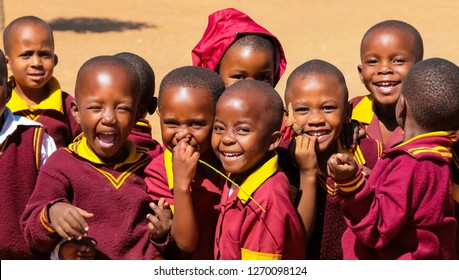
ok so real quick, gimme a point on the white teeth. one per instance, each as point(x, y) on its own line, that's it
point(317, 133)
point(386, 84)
point(231, 155)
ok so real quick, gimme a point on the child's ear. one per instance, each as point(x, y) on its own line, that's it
point(359, 68)
point(9, 89)
point(75, 112)
point(348, 112)
point(401, 108)
point(56, 60)
point(7, 61)
point(152, 106)
point(276, 138)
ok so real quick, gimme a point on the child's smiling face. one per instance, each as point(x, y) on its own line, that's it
point(241, 137)
point(386, 56)
point(319, 107)
point(106, 107)
point(186, 112)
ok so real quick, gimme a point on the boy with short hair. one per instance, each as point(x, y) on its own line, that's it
point(388, 50)
point(29, 51)
point(94, 189)
point(405, 210)
point(257, 219)
point(186, 108)
point(24, 148)
point(317, 96)
point(141, 133)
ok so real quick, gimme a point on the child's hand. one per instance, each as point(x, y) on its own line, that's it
point(184, 163)
point(350, 135)
point(341, 167)
point(160, 223)
point(303, 149)
point(84, 249)
point(69, 221)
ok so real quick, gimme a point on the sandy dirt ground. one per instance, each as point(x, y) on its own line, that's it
point(164, 32)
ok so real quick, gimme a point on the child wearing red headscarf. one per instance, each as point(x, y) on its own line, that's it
point(238, 48)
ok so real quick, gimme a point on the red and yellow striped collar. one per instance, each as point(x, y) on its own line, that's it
point(81, 147)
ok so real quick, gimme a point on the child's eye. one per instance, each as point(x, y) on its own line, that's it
point(123, 108)
point(197, 125)
point(171, 123)
point(266, 79)
point(301, 110)
point(94, 108)
point(243, 130)
point(238, 77)
point(399, 61)
point(218, 129)
point(372, 61)
point(328, 108)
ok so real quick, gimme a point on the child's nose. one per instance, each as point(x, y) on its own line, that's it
point(182, 132)
point(385, 68)
point(109, 117)
point(36, 60)
point(315, 118)
point(228, 138)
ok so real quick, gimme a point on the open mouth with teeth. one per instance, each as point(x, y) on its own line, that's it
point(107, 138)
point(231, 156)
point(386, 85)
point(317, 133)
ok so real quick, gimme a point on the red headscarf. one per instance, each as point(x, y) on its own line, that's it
point(223, 28)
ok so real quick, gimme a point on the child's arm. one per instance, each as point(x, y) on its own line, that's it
point(184, 226)
point(305, 157)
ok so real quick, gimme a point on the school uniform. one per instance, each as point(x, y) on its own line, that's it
point(54, 112)
point(205, 194)
point(363, 112)
point(24, 147)
point(141, 136)
point(257, 220)
point(405, 210)
point(117, 196)
point(329, 226)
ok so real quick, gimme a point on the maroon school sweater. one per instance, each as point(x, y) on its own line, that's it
point(18, 174)
point(405, 210)
point(116, 196)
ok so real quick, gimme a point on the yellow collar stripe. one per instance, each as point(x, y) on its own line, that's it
point(81, 147)
point(363, 111)
point(251, 184)
point(168, 166)
point(247, 254)
point(429, 134)
point(36, 146)
point(118, 182)
point(52, 102)
point(357, 155)
point(143, 123)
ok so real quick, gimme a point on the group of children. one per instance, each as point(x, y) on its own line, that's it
point(241, 173)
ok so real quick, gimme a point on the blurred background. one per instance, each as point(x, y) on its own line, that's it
point(164, 32)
